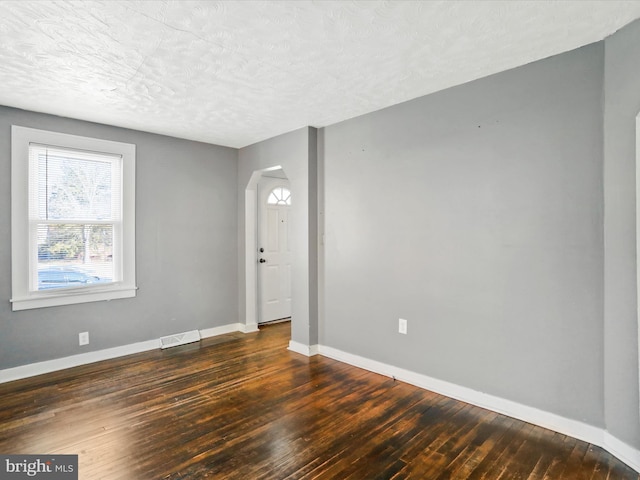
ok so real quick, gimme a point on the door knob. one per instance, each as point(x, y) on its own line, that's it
point(262, 260)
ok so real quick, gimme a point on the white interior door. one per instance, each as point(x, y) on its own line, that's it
point(274, 253)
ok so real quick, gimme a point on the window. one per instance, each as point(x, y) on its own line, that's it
point(73, 219)
point(279, 196)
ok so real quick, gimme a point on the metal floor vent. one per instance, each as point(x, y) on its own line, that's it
point(179, 339)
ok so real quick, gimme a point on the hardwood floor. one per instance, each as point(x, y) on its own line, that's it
point(244, 407)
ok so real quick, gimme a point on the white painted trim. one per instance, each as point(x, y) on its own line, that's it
point(250, 250)
point(623, 451)
point(33, 369)
point(73, 297)
point(301, 348)
point(49, 366)
point(551, 421)
point(215, 331)
point(638, 236)
point(249, 327)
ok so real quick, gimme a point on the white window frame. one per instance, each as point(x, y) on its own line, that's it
point(24, 260)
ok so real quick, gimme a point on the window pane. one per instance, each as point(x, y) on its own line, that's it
point(74, 255)
point(279, 196)
point(73, 188)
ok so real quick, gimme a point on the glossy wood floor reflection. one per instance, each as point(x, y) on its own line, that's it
point(244, 407)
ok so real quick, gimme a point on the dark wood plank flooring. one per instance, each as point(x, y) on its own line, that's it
point(244, 407)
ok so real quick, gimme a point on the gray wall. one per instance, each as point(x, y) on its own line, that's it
point(476, 213)
point(622, 104)
point(186, 248)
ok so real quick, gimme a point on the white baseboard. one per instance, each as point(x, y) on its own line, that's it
point(626, 453)
point(33, 369)
point(551, 421)
point(215, 331)
point(248, 328)
point(301, 348)
point(40, 368)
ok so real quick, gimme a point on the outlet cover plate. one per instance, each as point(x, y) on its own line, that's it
point(402, 326)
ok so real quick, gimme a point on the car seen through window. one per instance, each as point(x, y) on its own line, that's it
point(66, 277)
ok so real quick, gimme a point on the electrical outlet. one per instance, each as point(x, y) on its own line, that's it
point(402, 326)
point(83, 338)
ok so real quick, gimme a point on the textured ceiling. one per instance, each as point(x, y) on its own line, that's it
point(237, 72)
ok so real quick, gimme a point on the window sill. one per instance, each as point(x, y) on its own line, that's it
point(51, 299)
